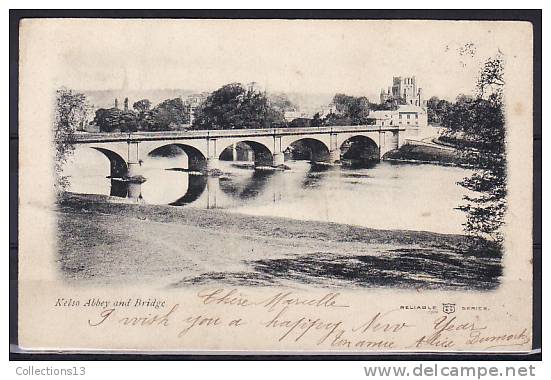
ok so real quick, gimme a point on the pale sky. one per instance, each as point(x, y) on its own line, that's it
point(354, 57)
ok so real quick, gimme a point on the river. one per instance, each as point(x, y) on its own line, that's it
point(385, 196)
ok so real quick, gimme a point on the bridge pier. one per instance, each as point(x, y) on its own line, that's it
point(388, 141)
point(234, 151)
point(334, 155)
point(334, 148)
point(213, 164)
point(279, 159)
point(134, 169)
point(133, 164)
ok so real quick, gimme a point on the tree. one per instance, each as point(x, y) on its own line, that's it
point(350, 110)
point(388, 105)
point(300, 122)
point(146, 121)
point(169, 115)
point(316, 120)
point(432, 109)
point(478, 126)
point(72, 112)
point(128, 121)
point(232, 107)
point(457, 116)
point(114, 119)
point(107, 119)
point(436, 108)
point(142, 106)
point(334, 119)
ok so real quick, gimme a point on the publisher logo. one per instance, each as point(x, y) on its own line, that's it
point(448, 308)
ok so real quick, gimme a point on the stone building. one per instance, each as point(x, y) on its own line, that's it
point(404, 90)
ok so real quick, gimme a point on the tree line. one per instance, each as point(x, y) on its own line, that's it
point(232, 106)
point(167, 115)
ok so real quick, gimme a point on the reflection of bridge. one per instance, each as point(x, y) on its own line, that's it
point(203, 148)
point(221, 191)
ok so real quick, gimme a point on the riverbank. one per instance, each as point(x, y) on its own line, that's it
point(424, 154)
point(104, 241)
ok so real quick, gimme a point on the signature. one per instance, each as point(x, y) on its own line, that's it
point(221, 296)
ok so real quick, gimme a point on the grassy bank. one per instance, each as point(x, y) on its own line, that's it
point(107, 242)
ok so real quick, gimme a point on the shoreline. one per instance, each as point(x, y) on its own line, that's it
point(420, 162)
point(287, 227)
point(106, 242)
point(424, 154)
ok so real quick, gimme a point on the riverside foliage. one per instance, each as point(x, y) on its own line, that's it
point(476, 125)
point(72, 111)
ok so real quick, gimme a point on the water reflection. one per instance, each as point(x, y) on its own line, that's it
point(196, 187)
point(359, 163)
point(118, 188)
point(315, 176)
point(124, 189)
point(239, 185)
point(386, 196)
point(250, 188)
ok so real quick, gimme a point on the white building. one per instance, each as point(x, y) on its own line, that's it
point(411, 117)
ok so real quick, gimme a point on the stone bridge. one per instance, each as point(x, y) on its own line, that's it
point(203, 148)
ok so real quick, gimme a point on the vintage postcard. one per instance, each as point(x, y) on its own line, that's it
point(275, 186)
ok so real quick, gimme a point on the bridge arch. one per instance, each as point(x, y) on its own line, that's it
point(118, 166)
point(308, 148)
point(360, 149)
point(262, 155)
point(196, 159)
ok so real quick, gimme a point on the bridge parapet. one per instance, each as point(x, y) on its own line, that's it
point(86, 137)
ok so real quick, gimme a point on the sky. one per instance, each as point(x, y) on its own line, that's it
point(306, 56)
